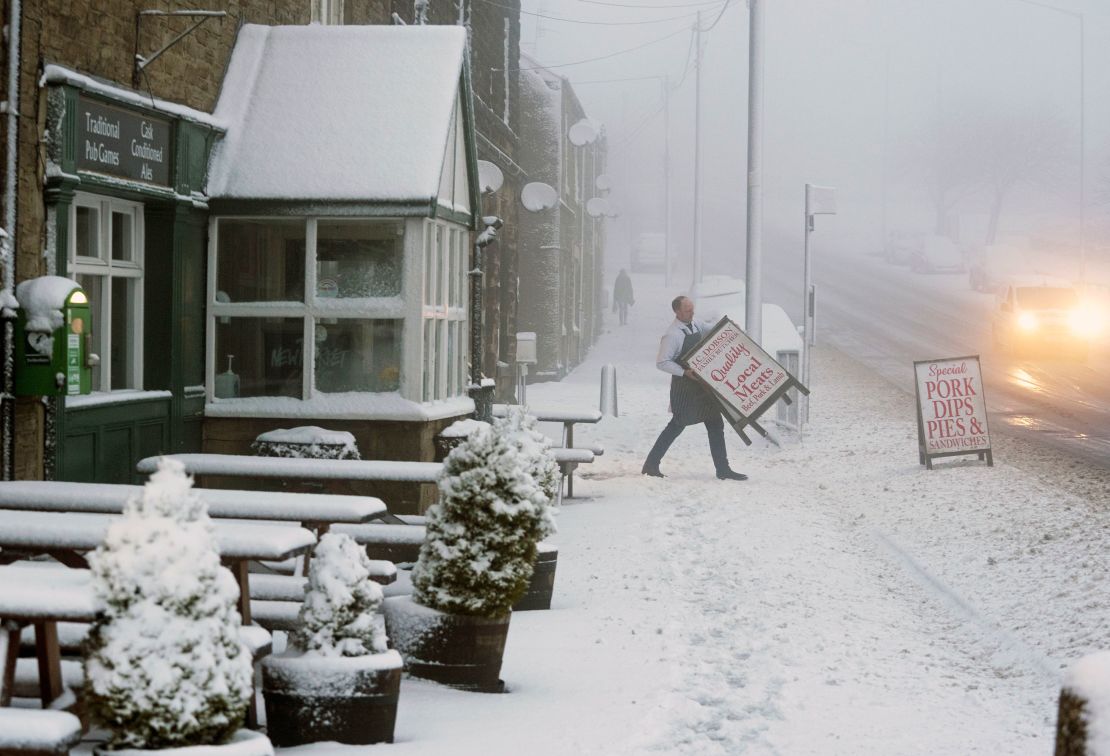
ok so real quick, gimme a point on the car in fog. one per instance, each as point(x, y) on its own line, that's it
point(901, 246)
point(937, 254)
point(1044, 320)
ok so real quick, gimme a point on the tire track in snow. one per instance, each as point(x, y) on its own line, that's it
point(1017, 650)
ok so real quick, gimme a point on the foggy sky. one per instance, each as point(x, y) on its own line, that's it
point(838, 77)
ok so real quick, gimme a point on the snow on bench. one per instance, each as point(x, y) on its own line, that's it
point(397, 543)
point(37, 733)
point(109, 498)
point(238, 465)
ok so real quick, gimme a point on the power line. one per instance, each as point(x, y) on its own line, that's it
point(600, 57)
point(718, 18)
point(590, 23)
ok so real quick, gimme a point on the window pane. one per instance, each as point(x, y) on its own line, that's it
point(121, 236)
point(87, 233)
point(94, 291)
point(429, 360)
point(358, 259)
point(429, 263)
point(441, 248)
point(358, 355)
point(122, 370)
point(259, 357)
point(452, 355)
point(260, 260)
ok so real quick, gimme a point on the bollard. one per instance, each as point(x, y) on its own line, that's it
point(1083, 722)
point(607, 404)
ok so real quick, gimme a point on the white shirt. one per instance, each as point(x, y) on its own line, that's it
point(670, 346)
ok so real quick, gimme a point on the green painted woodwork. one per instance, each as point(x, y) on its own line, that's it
point(102, 443)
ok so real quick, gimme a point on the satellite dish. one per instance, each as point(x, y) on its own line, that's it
point(582, 133)
point(597, 207)
point(490, 177)
point(603, 183)
point(537, 196)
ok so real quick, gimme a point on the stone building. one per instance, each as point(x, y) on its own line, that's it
point(141, 232)
point(560, 288)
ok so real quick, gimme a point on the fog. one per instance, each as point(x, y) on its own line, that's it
point(928, 114)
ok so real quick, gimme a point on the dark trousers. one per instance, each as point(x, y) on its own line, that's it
point(623, 309)
point(714, 428)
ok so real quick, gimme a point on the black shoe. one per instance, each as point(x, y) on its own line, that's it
point(731, 475)
point(652, 471)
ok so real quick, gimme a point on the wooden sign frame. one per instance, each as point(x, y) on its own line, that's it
point(737, 418)
point(926, 457)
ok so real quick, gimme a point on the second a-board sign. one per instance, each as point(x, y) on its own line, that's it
point(745, 379)
point(951, 409)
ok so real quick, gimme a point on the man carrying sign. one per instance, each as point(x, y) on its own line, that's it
point(691, 403)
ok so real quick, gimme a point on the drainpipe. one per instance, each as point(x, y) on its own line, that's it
point(8, 245)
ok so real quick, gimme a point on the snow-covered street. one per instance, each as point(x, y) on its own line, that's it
point(842, 601)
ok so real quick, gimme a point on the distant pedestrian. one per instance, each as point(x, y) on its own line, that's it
point(691, 403)
point(622, 295)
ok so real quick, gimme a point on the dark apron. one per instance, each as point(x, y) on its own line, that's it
point(691, 402)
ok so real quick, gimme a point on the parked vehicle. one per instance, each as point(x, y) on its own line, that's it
point(901, 246)
point(937, 254)
point(1042, 319)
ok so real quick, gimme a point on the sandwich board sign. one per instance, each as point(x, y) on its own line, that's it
point(744, 378)
point(951, 409)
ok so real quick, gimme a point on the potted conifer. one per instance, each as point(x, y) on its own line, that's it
point(164, 667)
point(475, 562)
point(339, 682)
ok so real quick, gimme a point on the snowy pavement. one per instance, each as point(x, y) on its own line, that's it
point(842, 601)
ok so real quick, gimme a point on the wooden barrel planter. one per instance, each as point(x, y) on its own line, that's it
point(350, 700)
point(461, 651)
point(542, 585)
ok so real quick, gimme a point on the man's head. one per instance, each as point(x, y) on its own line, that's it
point(683, 308)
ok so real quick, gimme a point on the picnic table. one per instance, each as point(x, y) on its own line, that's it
point(317, 512)
point(67, 536)
point(43, 595)
point(569, 418)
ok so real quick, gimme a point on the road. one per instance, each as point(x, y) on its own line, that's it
point(887, 317)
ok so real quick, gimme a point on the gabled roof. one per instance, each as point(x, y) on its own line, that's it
point(337, 113)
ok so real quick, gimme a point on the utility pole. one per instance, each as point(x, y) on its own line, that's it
point(666, 82)
point(697, 155)
point(753, 304)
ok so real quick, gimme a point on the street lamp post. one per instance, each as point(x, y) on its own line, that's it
point(480, 393)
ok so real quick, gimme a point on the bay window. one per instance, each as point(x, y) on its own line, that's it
point(305, 307)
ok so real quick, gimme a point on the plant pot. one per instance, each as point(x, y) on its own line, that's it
point(346, 699)
point(542, 584)
point(458, 650)
point(242, 743)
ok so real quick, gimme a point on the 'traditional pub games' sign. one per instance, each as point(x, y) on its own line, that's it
point(951, 409)
point(122, 143)
point(745, 379)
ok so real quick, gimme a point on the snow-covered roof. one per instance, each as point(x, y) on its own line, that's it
point(337, 113)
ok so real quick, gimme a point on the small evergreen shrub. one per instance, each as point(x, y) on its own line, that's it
point(163, 663)
point(480, 547)
point(340, 616)
point(535, 447)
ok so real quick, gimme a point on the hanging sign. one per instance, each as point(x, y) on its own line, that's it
point(745, 379)
point(951, 409)
point(122, 143)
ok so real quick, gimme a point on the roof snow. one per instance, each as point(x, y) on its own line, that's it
point(333, 113)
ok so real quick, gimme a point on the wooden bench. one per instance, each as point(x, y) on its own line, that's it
point(67, 537)
point(316, 512)
point(27, 732)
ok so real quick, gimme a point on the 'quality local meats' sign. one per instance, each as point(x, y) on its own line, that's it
point(745, 378)
point(951, 409)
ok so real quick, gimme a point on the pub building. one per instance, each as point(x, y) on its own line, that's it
point(342, 198)
point(298, 257)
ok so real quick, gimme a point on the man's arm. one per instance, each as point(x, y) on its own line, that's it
point(669, 347)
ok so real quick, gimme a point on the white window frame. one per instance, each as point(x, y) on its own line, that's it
point(445, 268)
point(313, 308)
point(327, 12)
point(106, 268)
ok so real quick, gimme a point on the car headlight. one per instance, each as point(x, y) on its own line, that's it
point(1085, 321)
point(1027, 321)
